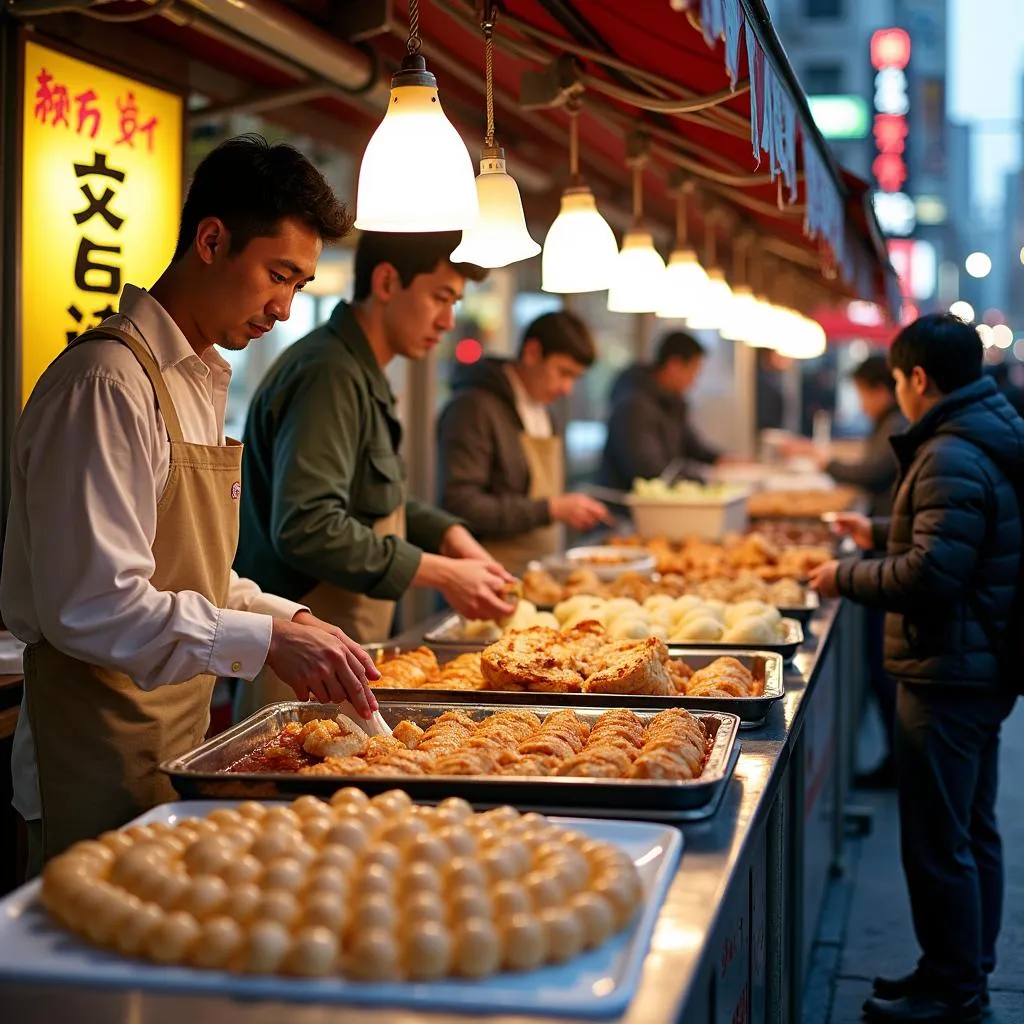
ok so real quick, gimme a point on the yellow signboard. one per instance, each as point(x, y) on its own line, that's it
point(100, 197)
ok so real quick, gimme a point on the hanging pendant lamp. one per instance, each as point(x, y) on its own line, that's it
point(416, 174)
point(500, 235)
point(639, 274)
point(685, 280)
point(713, 309)
point(579, 250)
point(740, 320)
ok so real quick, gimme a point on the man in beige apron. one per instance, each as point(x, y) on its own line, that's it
point(325, 517)
point(502, 467)
point(124, 514)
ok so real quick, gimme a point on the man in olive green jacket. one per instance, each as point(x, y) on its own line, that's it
point(324, 513)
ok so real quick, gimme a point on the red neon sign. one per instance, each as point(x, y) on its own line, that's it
point(890, 48)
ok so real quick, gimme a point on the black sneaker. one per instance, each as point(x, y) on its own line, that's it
point(921, 1008)
point(909, 984)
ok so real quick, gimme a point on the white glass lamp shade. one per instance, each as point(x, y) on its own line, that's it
point(713, 311)
point(580, 249)
point(797, 336)
point(416, 173)
point(739, 322)
point(638, 281)
point(499, 236)
point(761, 325)
point(684, 284)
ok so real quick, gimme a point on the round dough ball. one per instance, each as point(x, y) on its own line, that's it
point(133, 935)
point(456, 807)
point(275, 843)
point(419, 876)
point(252, 810)
point(340, 857)
point(392, 803)
point(744, 609)
point(282, 817)
point(108, 913)
point(427, 848)
point(546, 620)
point(373, 955)
point(682, 606)
point(268, 947)
point(277, 906)
point(244, 902)
point(465, 871)
point(305, 855)
point(469, 901)
point(518, 852)
point(716, 608)
point(702, 628)
point(203, 827)
point(428, 950)
point(172, 940)
point(476, 948)
point(563, 933)
point(241, 870)
point(219, 940)
point(373, 820)
point(186, 835)
point(374, 879)
point(564, 610)
point(329, 880)
point(226, 817)
point(208, 856)
point(382, 853)
point(658, 602)
point(238, 838)
point(752, 630)
point(524, 941)
point(314, 830)
point(163, 887)
point(284, 873)
point(350, 797)
point(309, 806)
point(117, 842)
point(423, 906)
point(173, 844)
point(314, 952)
point(373, 911)
point(596, 918)
point(327, 910)
point(510, 898)
point(348, 832)
point(204, 897)
point(141, 833)
point(130, 866)
point(623, 893)
point(544, 889)
point(459, 840)
point(498, 864)
point(404, 831)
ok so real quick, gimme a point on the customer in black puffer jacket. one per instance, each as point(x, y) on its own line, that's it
point(948, 584)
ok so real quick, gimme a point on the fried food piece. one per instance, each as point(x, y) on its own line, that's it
point(602, 761)
point(379, 747)
point(336, 766)
point(533, 764)
point(339, 738)
point(408, 733)
point(547, 745)
point(541, 588)
point(636, 670)
point(526, 658)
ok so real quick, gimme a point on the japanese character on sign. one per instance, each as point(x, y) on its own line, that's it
point(87, 112)
point(130, 123)
point(51, 100)
point(98, 316)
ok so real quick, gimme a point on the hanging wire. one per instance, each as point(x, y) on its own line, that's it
point(711, 239)
point(573, 109)
point(489, 72)
point(638, 191)
point(131, 16)
point(414, 43)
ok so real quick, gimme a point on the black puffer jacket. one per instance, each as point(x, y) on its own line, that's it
point(954, 548)
point(648, 428)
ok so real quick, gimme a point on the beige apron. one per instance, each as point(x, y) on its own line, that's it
point(99, 738)
point(365, 619)
point(544, 456)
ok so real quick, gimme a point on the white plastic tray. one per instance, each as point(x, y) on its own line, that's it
point(598, 984)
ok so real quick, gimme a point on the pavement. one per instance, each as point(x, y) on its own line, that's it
point(865, 926)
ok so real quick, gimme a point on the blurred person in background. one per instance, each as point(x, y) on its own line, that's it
point(500, 457)
point(649, 430)
point(1000, 373)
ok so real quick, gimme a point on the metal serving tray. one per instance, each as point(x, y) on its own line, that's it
point(751, 711)
point(204, 772)
point(449, 635)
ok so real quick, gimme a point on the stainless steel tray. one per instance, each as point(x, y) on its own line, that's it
point(449, 635)
point(203, 772)
point(751, 711)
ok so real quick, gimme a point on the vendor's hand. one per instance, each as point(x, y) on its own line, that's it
point(458, 542)
point(321, 662)
point(473, 588)
point(852, 524)
point(823, 579)
point(578, 511)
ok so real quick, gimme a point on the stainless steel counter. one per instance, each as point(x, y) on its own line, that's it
point(726, 946)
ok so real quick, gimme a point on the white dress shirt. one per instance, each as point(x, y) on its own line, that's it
point(535, 416)
point(89, 463)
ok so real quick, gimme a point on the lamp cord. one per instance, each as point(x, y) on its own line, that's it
point(414, 43)
point(574, 140)
point(489, 73)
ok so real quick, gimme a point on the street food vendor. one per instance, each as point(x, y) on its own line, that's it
point(500, 457)
point(649, 430)
point(325, 516)
point(124, 513)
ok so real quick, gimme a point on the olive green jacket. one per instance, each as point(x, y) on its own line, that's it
point(321, 465)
